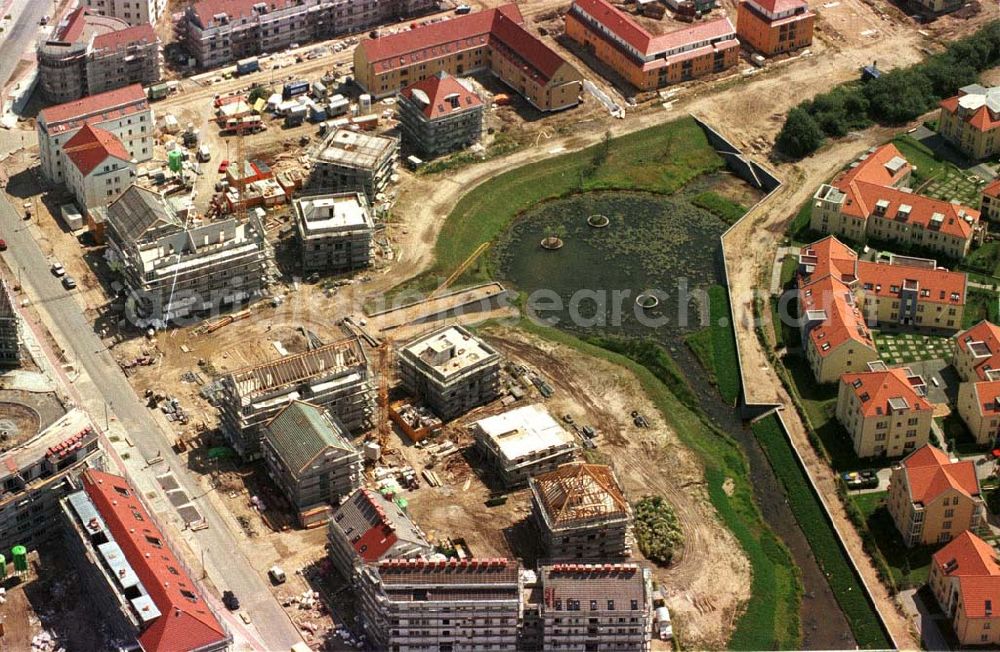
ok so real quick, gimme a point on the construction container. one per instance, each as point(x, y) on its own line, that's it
point(318, 90)
point(295, 117)
point(175, 160)
point(204, 153)
point(338, 105)
point(294, 89)
point(170, 124)
point(317, 114)
point(20, 554)
point(247, 66)
point(364, 104)
point(366, 122)
point(157, 92)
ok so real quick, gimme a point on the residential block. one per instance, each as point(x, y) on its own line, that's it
point(439, 115)
point(971, 120)
point(965, 581)
point(977, 361)
point(775, 26)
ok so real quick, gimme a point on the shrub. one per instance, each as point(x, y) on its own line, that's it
point(656, 529)
point(800, 135)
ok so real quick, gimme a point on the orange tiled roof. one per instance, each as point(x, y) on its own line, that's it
point(831, 256)
point(929, 473)
point(974, 563)
point(876, 388)
point(90, 146)
point(437, 88)
point(992, 189)
point(933, 285)
point(873, 180)
point(980, 119)
point(988, 397)
point(844, 321)
point(989, 335)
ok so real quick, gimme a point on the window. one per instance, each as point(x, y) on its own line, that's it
point(153, 541)
point(173, 571)
point(123, 491)
point(189, 595)
point(948, 513)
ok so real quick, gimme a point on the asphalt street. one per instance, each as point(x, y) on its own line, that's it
point(105, 384)
point(21, 37)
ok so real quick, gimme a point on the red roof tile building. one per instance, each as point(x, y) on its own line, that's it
point(775, 26)
point(989, 201)
point(650, 61)
point(970, 120)
point(100, 167)
point(141, 586)
point(90, 53)
point(932, 499)
point(124, 112)
point(965, 581)
point(219, 32)
point(439, 115)
point(871, 201)
point(494, 40)
point(841, 297)
point(885, 411)
point(977, 361)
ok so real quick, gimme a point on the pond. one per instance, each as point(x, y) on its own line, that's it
point(666, 247)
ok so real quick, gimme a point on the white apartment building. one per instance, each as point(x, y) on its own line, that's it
point(134, 12)
point(124, 112)
point(100, 169)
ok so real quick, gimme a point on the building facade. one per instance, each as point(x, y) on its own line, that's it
point(524, 442)
point(176, 271)
point(10, 328)
point(334, 376)
point(134, 12)
point(124, 112)
point(90, 54)
point(311, 460)
point(439, 115)
point(885, 411)
point(451, 370)
point(581, 512)
point(989, 201)
point(977, 361)
point(494, 40)
point(965, 581)
point(774, 27)
point(649, 61)
point(335, 231)
point(132, 575)
point(351, 161)
point(971, 121)
point(217, 33)
point(871, 201)
point(100, 168)
point(932, 499)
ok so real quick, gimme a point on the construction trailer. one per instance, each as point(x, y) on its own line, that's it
point(523, 442)
point(335, 376)
point(311, 459)
point(451, 370)
point(351, 161)
point(335, 231)
point(581, 512)
point(175, 268)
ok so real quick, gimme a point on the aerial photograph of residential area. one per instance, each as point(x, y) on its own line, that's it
point(514, 325)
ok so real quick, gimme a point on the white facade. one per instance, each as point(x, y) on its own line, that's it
point(135, 12)
point(102, 185)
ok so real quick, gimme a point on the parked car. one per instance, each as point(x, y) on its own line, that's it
point(58, 270)
point(230, 600)
point(3, 245)
point(276, 574)
point(223, 166)
point(861, 479)
point(69, 282)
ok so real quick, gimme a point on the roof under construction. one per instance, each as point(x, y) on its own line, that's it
point(353, 149)
point(256, 380)
point(578, 492)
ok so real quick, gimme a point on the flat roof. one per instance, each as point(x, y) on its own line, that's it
point(524, 431)
point(339, 212)
point(354, 149)
point(450, 351)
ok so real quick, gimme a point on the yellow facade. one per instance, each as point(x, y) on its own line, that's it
point(890, 435)
point(929, 314)
point(849, 356)
point(969, 631)
point(985, 428)
point(974, 143)
point(948, 515)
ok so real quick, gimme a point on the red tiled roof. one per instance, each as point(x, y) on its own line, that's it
point(774, 7)
point(988, 334)
point(974, 563)
point(90, 146)
point(137, 34)
point(871, 181)
point(73, 27)
point(929, 473)
point(103, 106)
point(988, 397)
point(992, 189)
point(980, 119)
point(437, 88)
point(206, 9)
point(637, 36)
point(830, 256)
point(875, 388)
point(531, 51)
point(844, 321)
point(434, 40)
point(186, 622)
point(933, 285)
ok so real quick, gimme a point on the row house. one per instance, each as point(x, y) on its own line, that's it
point(977, 361)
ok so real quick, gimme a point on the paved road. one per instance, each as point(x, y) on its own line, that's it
point(104, 384)
point(21, 37)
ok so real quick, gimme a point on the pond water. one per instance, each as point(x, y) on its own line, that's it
point(667, 247)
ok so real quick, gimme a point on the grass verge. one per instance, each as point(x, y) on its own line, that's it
point(823, 540)
point(724, 208)
point(907, 566)
point(715, 346)
point(771, 619)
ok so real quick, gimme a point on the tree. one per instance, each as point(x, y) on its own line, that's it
point(258, 92)
point(800, 136)
point(899, 96)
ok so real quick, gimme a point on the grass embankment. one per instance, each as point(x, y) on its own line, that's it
point(823, 540)
point(771, 620)
point(907, 566)
point(661, 159)
point(725, 209)
point(715, 346)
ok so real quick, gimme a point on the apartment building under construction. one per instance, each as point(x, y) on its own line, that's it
point(334, 376)
point(351, 161)
point(10, 328)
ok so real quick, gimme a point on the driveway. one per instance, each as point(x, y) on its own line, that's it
point(922, 610)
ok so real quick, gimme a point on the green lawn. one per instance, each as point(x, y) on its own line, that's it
point(660, 159)
point(823, 540)
point(936, 178)
point(908, 566)
point(979, 305)
point(715, 346)
point(771, 619)
point(903, 348)
point(725, 209)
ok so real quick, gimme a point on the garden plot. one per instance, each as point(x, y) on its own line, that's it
point(903, 348)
